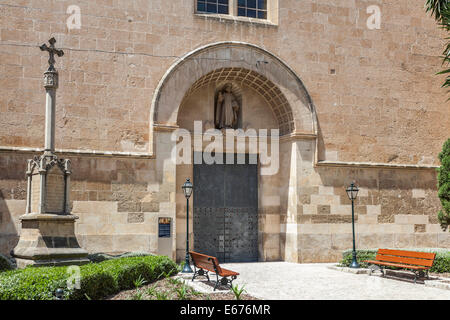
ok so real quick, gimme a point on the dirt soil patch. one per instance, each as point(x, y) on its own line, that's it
point(173, 289)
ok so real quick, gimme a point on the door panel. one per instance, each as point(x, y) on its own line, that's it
point(208, 231)
point(226, 211)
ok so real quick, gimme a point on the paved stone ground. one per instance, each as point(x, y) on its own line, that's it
point(291, 281)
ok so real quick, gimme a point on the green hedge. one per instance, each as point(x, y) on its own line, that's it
point(98, 280)
point(99, 257)
point(444, 185)
point(441, 262)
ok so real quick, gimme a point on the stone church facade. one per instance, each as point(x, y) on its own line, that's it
point(350, 103)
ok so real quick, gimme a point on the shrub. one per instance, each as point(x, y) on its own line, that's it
point(95, 283)
point(134, 254)
point(441, 262)
point(32, 283)
point(130, 273)
point(99, 257)
point(361, 255)
point(98, 280)
point(444, 185)
point(5, 263)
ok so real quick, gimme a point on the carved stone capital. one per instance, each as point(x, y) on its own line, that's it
point(51, 80)
point(44, 163)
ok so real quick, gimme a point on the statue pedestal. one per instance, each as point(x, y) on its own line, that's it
point(48, 239)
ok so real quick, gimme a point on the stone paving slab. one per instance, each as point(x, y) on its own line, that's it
point(201, 284)
point(292, 281)
point(441, 284)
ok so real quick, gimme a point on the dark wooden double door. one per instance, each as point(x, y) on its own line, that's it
point(226, 211)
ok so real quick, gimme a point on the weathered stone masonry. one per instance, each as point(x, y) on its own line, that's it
point(368, 108)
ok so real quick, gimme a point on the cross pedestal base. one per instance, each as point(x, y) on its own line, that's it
point(48, 240)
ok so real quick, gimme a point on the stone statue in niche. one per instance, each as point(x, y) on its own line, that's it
point(227, 109)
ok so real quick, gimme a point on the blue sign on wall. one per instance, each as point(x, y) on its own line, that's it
point(164, 227)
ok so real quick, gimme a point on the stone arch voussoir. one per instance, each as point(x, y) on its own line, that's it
point(274, 79)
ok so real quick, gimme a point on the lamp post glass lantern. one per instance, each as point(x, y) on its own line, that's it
point(187, 190)
point(352, 193)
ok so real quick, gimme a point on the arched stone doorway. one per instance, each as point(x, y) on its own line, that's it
point(273, 97)
point(230, 198)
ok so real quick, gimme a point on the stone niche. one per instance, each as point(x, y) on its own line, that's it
point(47, 234)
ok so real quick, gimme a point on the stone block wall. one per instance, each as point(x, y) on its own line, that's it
point(395, 208)
point(376, 89)
point(118, 202)
point(307, 219)
point(375, 92)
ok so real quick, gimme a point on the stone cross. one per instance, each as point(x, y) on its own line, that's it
point(47, 234)
point(51, 51)
point(50, 84)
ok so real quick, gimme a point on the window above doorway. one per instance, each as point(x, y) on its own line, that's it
point(252, 8)
point(253, 11)
point(212, 6)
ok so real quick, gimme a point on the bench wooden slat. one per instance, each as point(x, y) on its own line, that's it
point(203, 260)
point(206, 262)
point(411, 254)
point(227, 273)
point(396, 265)
point(205, 266)
point(404, 260)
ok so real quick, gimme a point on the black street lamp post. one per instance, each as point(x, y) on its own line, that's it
point(352, 192)
point(187, 189)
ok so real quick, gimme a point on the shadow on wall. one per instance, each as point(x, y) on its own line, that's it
point(9, 235)
point(320, 144)
point(13, 186)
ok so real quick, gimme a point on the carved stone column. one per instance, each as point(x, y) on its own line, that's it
point(50, 85)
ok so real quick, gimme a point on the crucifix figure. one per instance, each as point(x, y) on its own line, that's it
point(51, 51)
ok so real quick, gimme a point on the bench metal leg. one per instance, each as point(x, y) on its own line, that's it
point(421, 273)
point(231, 281)
point(195, 273)
point(217, 282)
point(374, 267)
point(417, 273)
point(224, 281)
point(200, 272)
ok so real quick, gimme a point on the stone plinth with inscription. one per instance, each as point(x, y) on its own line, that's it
point(48, 229)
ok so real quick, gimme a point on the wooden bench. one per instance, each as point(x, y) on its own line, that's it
point(205, 264)
point(417, 262)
